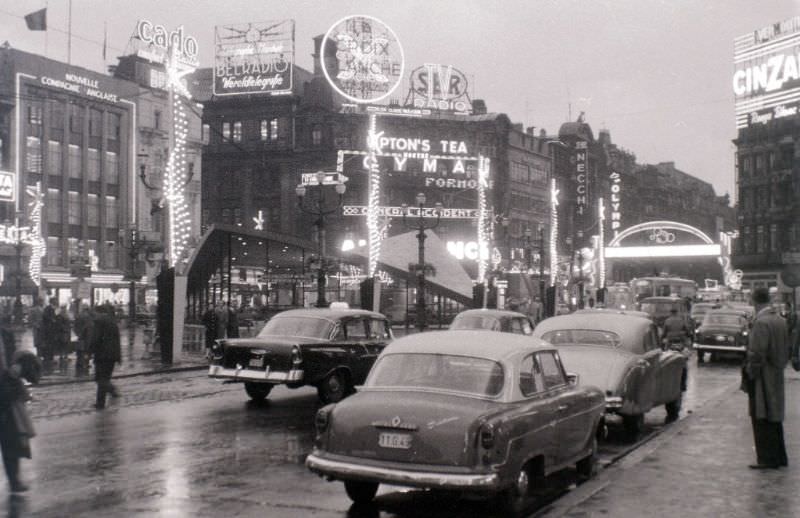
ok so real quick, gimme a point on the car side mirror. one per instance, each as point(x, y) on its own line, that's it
point(572, 378)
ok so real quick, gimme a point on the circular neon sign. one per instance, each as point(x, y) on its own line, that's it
point(362, 59)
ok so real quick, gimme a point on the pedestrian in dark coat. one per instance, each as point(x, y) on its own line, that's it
point(210, 322)
point(63, 332)
point(768, 352)
point(49, 334)
point(83, 330)
point(233, 322)
point(105, 348)
point(16, 427)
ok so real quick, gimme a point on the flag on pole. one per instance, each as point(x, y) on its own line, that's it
point(37, 21)
point(105, 40)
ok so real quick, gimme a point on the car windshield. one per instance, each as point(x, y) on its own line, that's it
point(306, 327)
point(699, 311)
point(723, 319)
point(583, 337)
point(657, 308)
point(465, 374)
point(476, 322)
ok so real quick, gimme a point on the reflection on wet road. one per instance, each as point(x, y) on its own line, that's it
point(222, 456)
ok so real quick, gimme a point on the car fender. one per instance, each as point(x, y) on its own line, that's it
point(632, 386)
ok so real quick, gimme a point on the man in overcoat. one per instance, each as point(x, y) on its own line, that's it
point(105, 348)
point(768, 352)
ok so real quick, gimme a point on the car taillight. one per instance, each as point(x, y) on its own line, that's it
point(487, 436)
point(322, 419)
point(296, 358)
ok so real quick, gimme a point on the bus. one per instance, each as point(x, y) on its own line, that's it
point(661, 286)
point(619, 296)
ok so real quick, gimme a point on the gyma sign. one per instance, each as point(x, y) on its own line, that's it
point(362, 59)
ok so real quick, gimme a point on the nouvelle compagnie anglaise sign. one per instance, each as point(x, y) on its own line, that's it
point(254, 58)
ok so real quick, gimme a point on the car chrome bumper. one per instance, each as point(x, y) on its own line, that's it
point(729, 348)
point(292, 376)
point(344, 470)
point(613, 403)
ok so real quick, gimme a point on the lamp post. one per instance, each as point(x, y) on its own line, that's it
point(133, 246)
point(320, 211)
point(420, 226)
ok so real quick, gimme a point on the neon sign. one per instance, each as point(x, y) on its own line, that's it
point(581, 149)
point(157, 36)
point(616, 202)
point(362, 58)
point(8, 191)
point(471, 250)
point(439, 87)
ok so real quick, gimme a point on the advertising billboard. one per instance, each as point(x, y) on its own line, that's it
point(254, 58)
point(766, 78)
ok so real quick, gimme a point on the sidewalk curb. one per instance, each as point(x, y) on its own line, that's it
point(167, 370)
point(629, 458)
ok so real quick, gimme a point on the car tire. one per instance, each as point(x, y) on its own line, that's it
point(514, 500)
point(587, 466)
point(333, 388)
point(360, 492)
point(673, 408)
point(257, 391)
point(633, 425)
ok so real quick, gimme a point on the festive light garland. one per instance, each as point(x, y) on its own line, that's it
point(601, 245)
point(35, 237)
point(374, 228)
point(176, 180)
point(483, 219)
point(553, 232)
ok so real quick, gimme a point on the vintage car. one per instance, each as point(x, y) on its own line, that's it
point(723, 330)
point(493, 320)
point(698, 312)
point(331, 349)
point(440, 410)
point(620, 354)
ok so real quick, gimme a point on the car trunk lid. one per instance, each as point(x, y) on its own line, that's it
point(601, 367)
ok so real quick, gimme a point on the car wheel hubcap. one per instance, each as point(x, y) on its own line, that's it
point(522, 483)
point(334, 385)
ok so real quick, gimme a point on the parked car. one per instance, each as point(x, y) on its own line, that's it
point(493, 320)
point(331, 349)
point(722, 330)
point(620, 354)
point(441, 410)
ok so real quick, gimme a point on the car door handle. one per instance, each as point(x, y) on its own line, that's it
point(563, 407)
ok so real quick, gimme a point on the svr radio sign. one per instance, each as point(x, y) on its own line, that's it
point(7, 189)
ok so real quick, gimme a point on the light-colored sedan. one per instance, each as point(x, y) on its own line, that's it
point(621, 354)
point(441, 410)
point(493, 320)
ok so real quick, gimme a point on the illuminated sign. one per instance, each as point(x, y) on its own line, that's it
point(254, 58)
point(80, 85)
point(12, 234)
point(8, 190)
point(412, 212)
point(616, 202)
point(468, 250)
point(618, 252)
point(581, 150)
point(362, 59)
point(329, 178)
point(159, 42)
point(766, 79)
point(439, 87)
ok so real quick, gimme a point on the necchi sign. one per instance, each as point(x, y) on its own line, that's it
point(254, 58)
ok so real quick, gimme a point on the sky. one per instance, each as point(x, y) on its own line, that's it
point(657, 74)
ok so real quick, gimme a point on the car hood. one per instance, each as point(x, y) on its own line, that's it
point(442, 426)
point(602, 367)
point(721, 329)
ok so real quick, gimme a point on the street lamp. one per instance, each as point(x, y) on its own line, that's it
point(420, 226)
point(320, 211)
point(134, 245)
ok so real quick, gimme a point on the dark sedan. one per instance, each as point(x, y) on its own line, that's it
point(722, 331)
point(330, 349)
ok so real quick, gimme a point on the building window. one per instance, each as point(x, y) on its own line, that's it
point(264, 130)
point(316, 136)
point(53, 206)
point(747, 240)
point(35, 114)
point(760, 163)
point(206, 218)
point(33, 154)
point(273, 129)
point(54, 158)
point(237, 131)
point(75, 161)
point(74, 208)
point(157, 119)
point(112, 213)
point(773, 237)
point(95, 123)
point(520, 172)
point(113, 126)
point(56, 115)
point(76, 118)
point(761, 239)
point(93, 165)
point(226, 216)
point(226, 131)
point(93, 210)
point(111, 255)
point(237, 216)
point(206, 136)
point(53, 251)
point(112, 168)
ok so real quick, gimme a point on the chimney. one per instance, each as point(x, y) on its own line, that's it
point(478, 107)
point(542, 133)
point(531, 130)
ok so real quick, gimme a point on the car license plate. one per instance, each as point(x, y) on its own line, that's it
point(256, 362)
point(394, 440)
point(722, 338)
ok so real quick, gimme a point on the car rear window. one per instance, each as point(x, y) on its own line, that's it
point(582, 337)
point(305, 327)
point(464, 374)
point(476, 322)
point(722, 319)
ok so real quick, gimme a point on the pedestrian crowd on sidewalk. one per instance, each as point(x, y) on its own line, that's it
point(221, 320)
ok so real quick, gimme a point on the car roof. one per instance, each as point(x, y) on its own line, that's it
point(497, 313)
point(661, 299)
point(476, 343)
point(331, 314)
point(613, 311)
point(628, 327)
point(728, 311)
